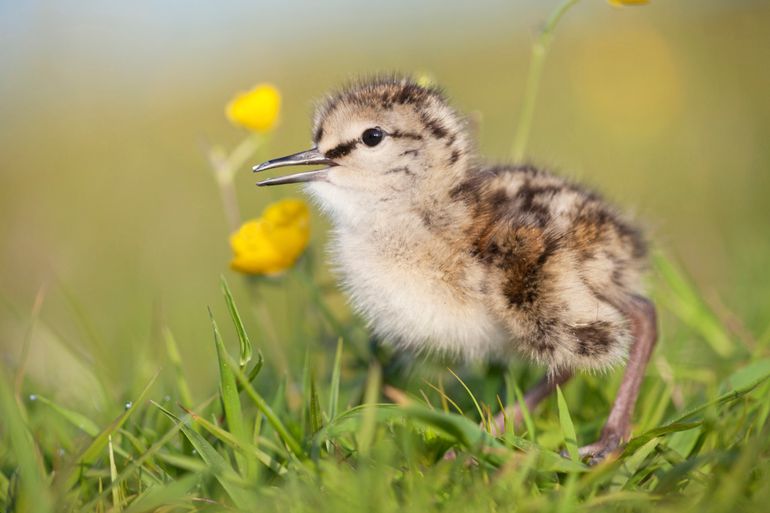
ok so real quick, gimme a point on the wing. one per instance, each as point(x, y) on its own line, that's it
point(562, 265)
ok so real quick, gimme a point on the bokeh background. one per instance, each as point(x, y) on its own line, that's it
point(108, 205)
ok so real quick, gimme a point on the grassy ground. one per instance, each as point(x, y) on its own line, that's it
point(108, 403)
point(327, 441)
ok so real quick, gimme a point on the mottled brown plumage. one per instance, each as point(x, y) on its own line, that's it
point(442, 252)
point(550, 244)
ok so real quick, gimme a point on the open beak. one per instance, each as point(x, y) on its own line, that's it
point(310, 157)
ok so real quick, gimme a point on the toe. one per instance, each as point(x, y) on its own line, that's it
point(598, 451)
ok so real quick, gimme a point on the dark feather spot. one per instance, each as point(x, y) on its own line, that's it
point(523, 267)
point(544, 341)
point(594, 339)
point(410, 93)
point(533, 200)
point(498, 201)
point(434, 126)
point(438, 131)
point(468, 191)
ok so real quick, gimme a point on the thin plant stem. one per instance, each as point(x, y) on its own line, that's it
point(243, 152)
point(225, 169)
point(539, 52)
point(26, 344)
point(230, 204)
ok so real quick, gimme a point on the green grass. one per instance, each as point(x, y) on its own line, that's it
point(353, 427)
point(328, 440)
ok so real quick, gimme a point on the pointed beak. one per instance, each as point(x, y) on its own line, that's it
point(311, 157)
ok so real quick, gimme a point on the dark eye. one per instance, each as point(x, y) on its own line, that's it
point(372, 136)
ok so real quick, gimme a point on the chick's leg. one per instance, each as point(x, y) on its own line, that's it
point(618, 427)
point(532, 398)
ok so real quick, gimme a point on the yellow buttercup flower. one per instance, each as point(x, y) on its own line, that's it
point(272, 243)
point(257, 109)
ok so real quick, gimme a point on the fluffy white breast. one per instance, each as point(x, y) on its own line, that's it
point(411, 288)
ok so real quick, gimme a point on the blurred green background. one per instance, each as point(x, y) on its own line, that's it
point(108, 204)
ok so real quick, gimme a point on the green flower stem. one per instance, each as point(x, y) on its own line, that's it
point(224, 179)
point(539, 53)
point(225, 168)
point(243, 152)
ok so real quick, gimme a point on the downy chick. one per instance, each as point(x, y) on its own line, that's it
point(440, 251)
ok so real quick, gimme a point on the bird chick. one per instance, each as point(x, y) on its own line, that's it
point(442, 252)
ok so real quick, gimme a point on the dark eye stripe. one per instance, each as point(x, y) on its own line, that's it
point(405, 135)
point(345, 148)
point(341, 149)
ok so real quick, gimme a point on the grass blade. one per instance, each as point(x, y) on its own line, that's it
point(350, 421)
point(33, 481)
point(245, 448)
point(243, 338)
point(526, 415)
point(725, 398)
point(547, 461)
point(268, 412)
point(675, 427)
point(446, 401)
point(254, 372)
point(461, 429)
point(567, 427)
point(222, 471)
point(140, 460)
point(117, 496)
point(369, 423)
point(97, 445)
point(746, 376)
point(633, 463)
point(334, 393)
point(174, 493)
point(172, 350)
point(688, 305)
point(231, 402)
point(473, 397)
point(314, 408)
point(78, 420)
